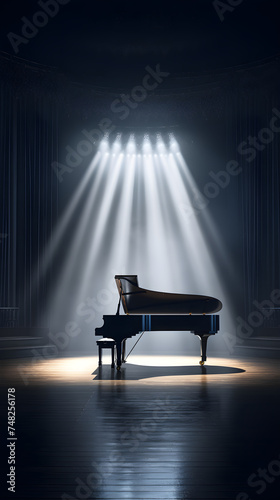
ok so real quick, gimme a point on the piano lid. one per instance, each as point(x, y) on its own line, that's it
point(136, 300)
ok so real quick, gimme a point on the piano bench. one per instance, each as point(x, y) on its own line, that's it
point(106, 344)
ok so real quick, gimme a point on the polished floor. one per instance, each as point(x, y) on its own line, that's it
point(162, 428)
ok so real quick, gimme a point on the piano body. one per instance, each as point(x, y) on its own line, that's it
point(147, 310)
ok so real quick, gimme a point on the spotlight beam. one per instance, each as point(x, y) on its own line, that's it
point(66, 277)
point(63, 224)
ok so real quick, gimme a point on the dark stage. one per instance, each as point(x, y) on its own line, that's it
point(139, 192)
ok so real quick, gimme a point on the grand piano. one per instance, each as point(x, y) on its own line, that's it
point(147, 310)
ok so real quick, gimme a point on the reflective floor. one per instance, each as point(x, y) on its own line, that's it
point(162, 428)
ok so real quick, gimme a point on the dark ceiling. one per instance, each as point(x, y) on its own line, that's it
point(111, 43)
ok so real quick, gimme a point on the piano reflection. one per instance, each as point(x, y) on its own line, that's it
point(147, 310)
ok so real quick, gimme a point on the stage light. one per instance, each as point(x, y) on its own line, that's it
point(131, 147)
point(147, 147)
point(173, 144)
point(160, 144)
point(104, 145)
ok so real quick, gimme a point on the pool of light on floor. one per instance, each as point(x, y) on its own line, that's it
point(84, 370)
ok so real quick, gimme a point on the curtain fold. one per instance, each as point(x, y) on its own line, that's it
point(29, 198)
point(259, 188)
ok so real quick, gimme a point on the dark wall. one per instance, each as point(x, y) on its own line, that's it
point(213, 116)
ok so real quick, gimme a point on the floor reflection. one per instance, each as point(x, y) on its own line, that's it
point(184, 432)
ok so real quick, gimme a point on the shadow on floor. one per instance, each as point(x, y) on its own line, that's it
point(137, 372)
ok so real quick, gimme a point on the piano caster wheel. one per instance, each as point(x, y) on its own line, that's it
point(201, 363)
point(118, 368)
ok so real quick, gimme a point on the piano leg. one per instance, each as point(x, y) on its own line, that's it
point(123, 350)
point(203, 346)
point(100, 355)
point(119, 354)
point(113, 357)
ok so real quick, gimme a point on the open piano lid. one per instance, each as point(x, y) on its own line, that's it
point(136, 300)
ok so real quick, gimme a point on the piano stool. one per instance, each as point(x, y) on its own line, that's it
point(106, 343)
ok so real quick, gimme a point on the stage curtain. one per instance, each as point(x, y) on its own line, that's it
point(29, 196)
point(258, 202)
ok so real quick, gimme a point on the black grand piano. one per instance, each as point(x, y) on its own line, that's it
point(147, 310)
